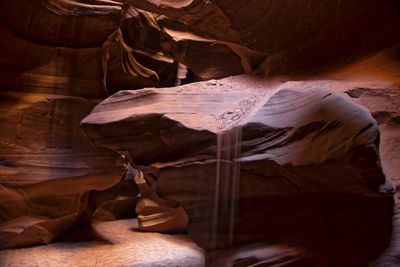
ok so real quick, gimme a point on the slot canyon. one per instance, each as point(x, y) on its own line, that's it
point(200, 133)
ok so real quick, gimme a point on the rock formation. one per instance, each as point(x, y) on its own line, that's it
point(52, 179)
point(62, 45)
point(294, 36)
point(155, 214)
point(251, 161)
point(60, 58)
point(53, 182)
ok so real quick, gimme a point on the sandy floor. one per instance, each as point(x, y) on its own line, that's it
point(123, 247)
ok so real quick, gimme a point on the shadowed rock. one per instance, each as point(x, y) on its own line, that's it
point(62, 23)
point(295, 36)
point(258, 255)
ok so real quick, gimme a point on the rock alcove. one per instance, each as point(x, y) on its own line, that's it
point(270, 127)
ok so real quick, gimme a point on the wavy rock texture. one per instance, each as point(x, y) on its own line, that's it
point(57, 46)
point(133, 57)
point(62, 208)
point(51, 59)
point(41, 139)
point(191, 50)
point(255, 162)
point(34, 67)
point(63, 23)
point(58, 56)
point(147, 49)
point(50, 175)
point(53, 180)
point(295, 36)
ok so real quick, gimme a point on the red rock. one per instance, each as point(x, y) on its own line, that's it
point(308, 162)
point(63, 23)
point(296, 37)
point(33, 67)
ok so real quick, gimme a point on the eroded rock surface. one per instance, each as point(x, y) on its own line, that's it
point(62, 208)
point(52, 180)
point(253, 161)
point(59, 57)
point(64, 45)
point(294, 36)
point(41, 140)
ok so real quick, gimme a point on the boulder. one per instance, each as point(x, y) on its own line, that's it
point(252, 160)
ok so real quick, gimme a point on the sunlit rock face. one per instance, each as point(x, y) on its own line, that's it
point(252, 161)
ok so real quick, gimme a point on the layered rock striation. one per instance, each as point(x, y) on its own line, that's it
point(241, 138)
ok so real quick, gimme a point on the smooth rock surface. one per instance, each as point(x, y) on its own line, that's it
point(254, 161)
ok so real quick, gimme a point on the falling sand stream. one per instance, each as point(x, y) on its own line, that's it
point(226, 184)
point(227, 177)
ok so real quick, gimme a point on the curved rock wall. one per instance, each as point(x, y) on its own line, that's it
point(59, 58)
